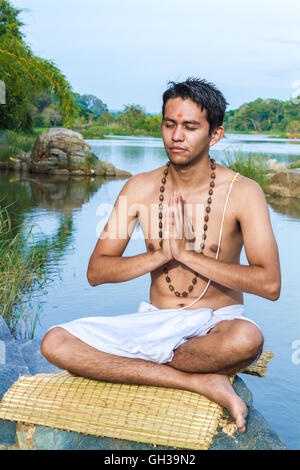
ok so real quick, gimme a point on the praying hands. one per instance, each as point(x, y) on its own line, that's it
point(178, 231)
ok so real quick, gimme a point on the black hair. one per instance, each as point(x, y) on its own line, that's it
point(204, 94)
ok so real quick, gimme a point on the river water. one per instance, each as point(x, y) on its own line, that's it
point(69, 212)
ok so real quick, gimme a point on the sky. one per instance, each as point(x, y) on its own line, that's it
point(126, 51)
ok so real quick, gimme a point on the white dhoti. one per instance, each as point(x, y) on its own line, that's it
point(151, 333)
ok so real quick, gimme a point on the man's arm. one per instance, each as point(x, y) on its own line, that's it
point(107, 263)
point(262, 276)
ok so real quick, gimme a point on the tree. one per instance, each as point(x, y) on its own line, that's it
point(93, 104)
point(25, 74)
point(52, 115)
point(262, 115)
point(293, 127)
point(42, 100)
point(129, 116)
point(105, 119)
point(9, 21)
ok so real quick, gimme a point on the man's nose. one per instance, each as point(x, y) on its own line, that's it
point(178, 134)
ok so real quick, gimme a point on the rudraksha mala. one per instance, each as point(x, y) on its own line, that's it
point(205, 226)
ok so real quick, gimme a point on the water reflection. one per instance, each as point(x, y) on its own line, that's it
point(28, 199)
point(285, 205)
point(58, 193)
point(63, 193)
point(133, 152)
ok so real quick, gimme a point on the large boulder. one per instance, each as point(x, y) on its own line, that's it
point(60, 151)
point(285, 184)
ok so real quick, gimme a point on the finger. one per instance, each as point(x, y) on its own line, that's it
point(170, 222)
point(178, 217)
point(171, 202)
point(189, 230)
point(165, 228)
point(170, 216)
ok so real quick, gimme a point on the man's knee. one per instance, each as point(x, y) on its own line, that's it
point(53, 343)
point(244, 339)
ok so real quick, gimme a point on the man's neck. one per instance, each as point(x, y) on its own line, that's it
point(190, 177)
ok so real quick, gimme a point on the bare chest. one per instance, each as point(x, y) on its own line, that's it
point(203, 218)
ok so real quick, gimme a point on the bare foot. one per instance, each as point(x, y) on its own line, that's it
point(217, 388)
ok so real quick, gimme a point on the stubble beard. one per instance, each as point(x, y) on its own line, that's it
point(187, 163)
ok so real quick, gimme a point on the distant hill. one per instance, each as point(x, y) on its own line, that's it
point(265, 116)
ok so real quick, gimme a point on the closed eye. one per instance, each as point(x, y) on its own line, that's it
point(169, 125)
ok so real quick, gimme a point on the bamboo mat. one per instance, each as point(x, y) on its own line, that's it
point(260, 367)
point(148, 414)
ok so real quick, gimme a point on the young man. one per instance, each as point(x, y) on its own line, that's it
point(193, 334)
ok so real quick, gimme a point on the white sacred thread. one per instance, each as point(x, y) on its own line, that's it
point(219, 243)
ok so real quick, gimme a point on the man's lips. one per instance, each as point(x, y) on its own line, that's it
point(177, 149)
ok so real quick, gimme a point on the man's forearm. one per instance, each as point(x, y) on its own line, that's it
point(106, 269)
point(250, 279)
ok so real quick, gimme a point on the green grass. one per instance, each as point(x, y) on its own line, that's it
point(17, 143)
point(97, 132)
point(23, 274)
point(250, 165)
point(293, 166)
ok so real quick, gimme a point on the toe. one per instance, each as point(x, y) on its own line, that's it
point(241, 421)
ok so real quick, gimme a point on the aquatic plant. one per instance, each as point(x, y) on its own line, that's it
point(250, 165)
point(23, 273)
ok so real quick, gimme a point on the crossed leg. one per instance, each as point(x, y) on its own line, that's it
point(200, 365)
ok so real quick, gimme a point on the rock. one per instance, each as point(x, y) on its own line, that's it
point(35, 361)
point(285, 184)
point(4, 331)
point(23, 357)
point(62, 151)
point(274, 166)
point(58, 149)
point(77, 172)
point(258, 435)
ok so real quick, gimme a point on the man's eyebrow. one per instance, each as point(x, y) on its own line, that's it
point(197, 123)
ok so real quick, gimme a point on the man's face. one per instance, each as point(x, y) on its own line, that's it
point(185, 131)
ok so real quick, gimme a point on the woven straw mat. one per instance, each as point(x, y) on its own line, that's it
point(148, 414)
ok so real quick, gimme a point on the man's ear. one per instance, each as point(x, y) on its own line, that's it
point(216, 135)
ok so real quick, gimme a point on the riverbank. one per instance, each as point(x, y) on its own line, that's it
point(99, 132)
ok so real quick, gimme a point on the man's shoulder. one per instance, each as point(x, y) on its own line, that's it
point(143, 182)
point(247, 186)
point(247, 197)
point(244, 183)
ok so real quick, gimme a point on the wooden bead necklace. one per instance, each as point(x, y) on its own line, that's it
point(205, 226)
